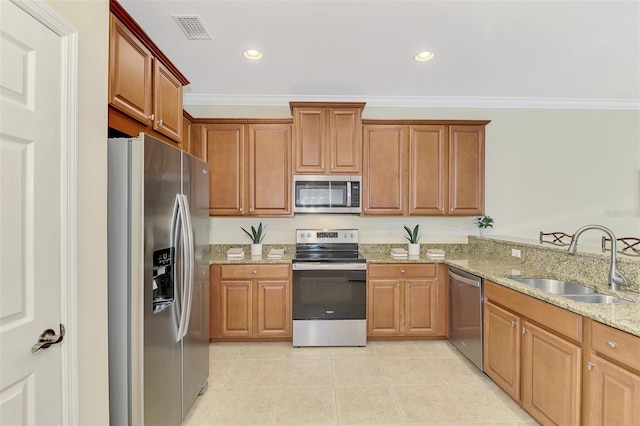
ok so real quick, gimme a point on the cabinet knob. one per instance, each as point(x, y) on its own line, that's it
point(612, 345)
point(513, 324)
point(250, 209)
point(160, 122)
point(524, 330)
point(152, 117)
point(254, 272)
point(402, 271)
point(590, 366)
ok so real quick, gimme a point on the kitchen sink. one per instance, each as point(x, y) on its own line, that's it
point(557, 286)
point(596, 298)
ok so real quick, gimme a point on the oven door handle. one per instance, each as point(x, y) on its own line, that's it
point(319, 266)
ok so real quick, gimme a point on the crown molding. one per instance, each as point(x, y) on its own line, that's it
point(417, 101)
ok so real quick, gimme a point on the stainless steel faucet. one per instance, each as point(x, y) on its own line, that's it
point(615, 277)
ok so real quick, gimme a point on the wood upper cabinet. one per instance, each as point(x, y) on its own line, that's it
point(428, 179)
point(612, 377)
point(466, 170)
point(269, 169)
point(167, 102)
point(327, 137)
point(423, 169)
point(143, 84)
point(250, 301)
point(502, 348)
point(384, 190)
point(130, 73)
point(543, 355)
point(405, 300)
point(249, 168)
point(192, 140)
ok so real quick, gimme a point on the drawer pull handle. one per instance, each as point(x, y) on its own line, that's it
point(612, 345)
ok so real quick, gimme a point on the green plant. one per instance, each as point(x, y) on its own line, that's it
point(256, 235)
point(412, 236)
point(483, 222)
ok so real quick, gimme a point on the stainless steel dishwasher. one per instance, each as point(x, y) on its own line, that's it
point(466, 292)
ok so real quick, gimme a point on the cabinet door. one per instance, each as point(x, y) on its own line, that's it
point(270, 169)
point(236, 309)
point(383, 307)
point(428, 170)
point(345, 140)
point(186, 134)
point(196, 142)
point(130, 73)
point(614, 395)
point(466, 170)
point(550, 377)
point(502, 348)
point(310, 135)
point(167, 102)
point(225, 155)
point(384, 170)
point(214, 301)
point(420, 307)
point(274, 308)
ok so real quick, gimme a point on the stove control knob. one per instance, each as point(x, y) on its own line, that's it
point(352, 235)
point(308, 235)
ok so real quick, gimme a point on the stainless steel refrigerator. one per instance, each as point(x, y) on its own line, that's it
point(158, 236)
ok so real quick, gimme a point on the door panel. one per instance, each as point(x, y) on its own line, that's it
point(236, 309)
point(466, 170)
point(31, 213)
point(420, 307)
point(225, 152)
point(427, 170)
point(502, 348)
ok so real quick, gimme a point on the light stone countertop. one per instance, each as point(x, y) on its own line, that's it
point(625, 317)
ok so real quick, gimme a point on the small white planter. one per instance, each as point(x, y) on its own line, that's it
point(414, 249)
point(483, 231)
point(256, 249)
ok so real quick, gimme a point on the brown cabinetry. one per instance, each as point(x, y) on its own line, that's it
point(327, 137)
point(405, 300)
point(143, 85)
point(413, 168)
point(249, 168)
point(532, 345)
point(612, 377)
point(250, 302)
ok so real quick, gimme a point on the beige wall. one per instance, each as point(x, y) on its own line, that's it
point(551, 170)
point(91, 18)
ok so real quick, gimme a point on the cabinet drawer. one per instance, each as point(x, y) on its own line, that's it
point(402, 270)
point(616, 344)
point(559, 320)
point(255, 271)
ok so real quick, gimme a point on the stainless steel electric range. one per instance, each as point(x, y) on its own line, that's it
point(329, 289)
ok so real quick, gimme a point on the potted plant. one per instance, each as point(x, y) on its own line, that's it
point(256, 235)
point(413, 237)
point(483, 223)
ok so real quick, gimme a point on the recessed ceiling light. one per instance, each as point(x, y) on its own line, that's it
point(424, 56)
point(252, 54)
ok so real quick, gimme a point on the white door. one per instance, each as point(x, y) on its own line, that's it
point(33, 239)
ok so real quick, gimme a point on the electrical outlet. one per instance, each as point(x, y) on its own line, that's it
point(390, 230)
point(516, 253)
point(454, 230)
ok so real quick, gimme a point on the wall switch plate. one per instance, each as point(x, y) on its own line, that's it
point(390, 230)
point(516, 253)
point(454, 230)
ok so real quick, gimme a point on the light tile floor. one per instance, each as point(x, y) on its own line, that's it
point(384, 383)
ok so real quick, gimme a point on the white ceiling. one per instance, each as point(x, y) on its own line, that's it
point(575, 54)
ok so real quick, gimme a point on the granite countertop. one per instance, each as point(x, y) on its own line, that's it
point(625, 317)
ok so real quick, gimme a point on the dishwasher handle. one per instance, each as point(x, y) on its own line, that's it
point(464, 280)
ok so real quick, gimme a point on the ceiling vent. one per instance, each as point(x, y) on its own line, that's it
point(193, 27)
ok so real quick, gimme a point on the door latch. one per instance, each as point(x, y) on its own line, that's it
point(48, 338)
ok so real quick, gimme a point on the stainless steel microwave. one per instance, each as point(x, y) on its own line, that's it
point(327, 194)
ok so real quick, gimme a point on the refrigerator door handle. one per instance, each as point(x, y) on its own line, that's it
point(190, 262)
point(186, 271)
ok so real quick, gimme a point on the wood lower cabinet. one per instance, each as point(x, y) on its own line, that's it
point(405, 300)
point(502, 348)
point(612, 377)
point(423, 169)
point(327, 137)
point(249, 168)
point(550, 376)
point(250, 302)
point(532, 351)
